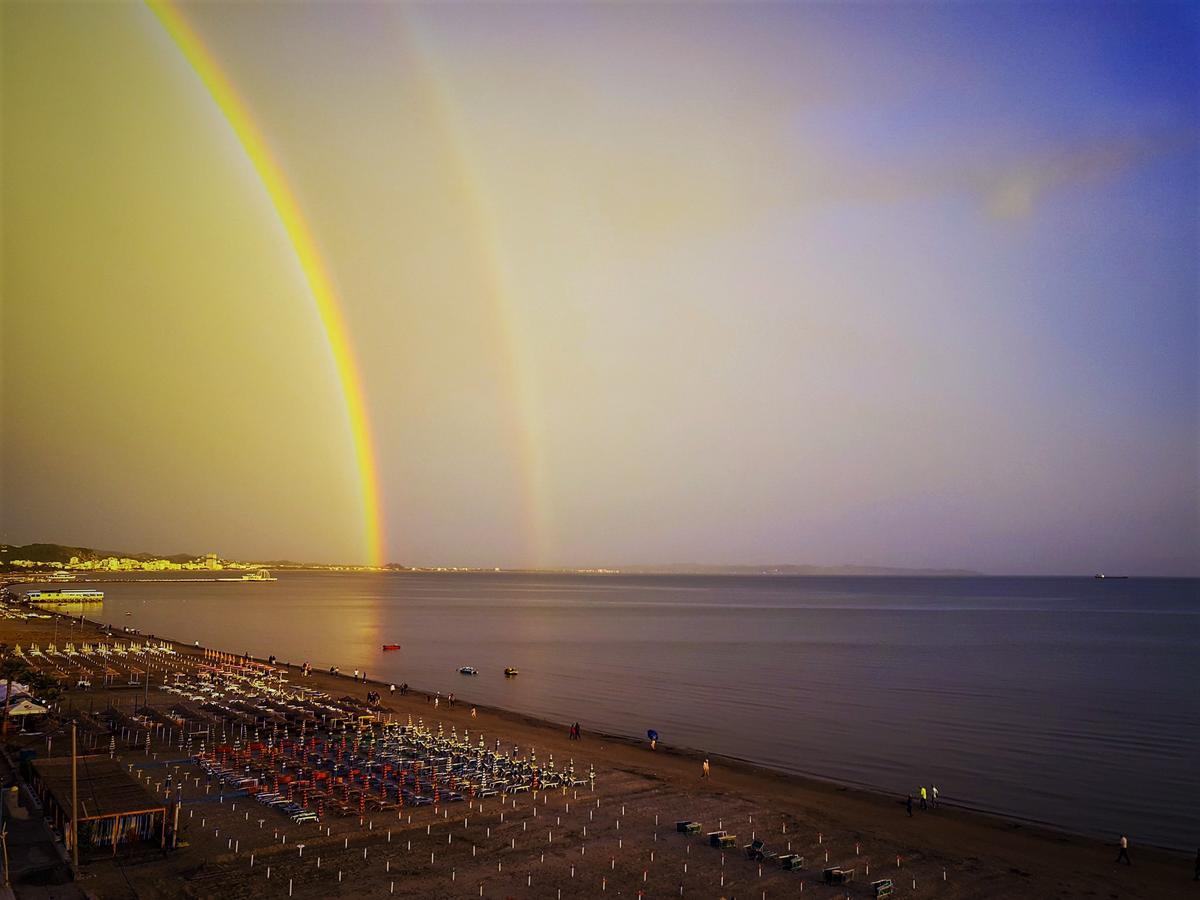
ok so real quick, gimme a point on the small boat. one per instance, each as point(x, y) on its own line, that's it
point(468, 670)
point(391, 646)
point(1101, 575)
point(509, 672)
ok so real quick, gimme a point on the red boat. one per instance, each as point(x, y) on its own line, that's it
point(391, 646)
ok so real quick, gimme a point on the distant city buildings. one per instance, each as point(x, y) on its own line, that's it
point(207, 563)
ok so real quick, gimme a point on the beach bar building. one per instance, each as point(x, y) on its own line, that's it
point(114, 809)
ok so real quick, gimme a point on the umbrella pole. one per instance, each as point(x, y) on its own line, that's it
point(74, 804)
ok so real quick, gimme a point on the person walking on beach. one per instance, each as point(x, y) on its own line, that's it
point(924, 797)
point(356, 674)
point(392, 690)
point(705, 771)
point(1123, 853)
point(474, 714)
point(908, 806)
point(933, 797)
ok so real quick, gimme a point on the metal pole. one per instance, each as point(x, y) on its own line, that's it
point(74, 803)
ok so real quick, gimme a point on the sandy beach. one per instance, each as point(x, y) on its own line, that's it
point(620, 838)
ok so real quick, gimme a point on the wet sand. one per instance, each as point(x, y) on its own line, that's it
point(588, 844)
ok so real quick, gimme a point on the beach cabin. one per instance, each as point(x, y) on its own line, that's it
point(115, 811)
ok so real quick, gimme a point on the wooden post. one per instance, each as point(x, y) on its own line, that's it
point(74, 804)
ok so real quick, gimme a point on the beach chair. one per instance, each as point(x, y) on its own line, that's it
point(882, 888)
point(836, 875)
point(687, 827)
point(755, 849)
point(714, 838)
point(791, 862)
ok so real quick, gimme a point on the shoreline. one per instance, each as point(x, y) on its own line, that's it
point(811, 780)
point(951, 851)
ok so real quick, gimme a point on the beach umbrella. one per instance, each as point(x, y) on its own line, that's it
point(26, 708)
point(652, 734)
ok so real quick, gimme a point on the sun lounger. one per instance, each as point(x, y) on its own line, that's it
point(757, 850)
point(687, 827)
point(792, 862)
point(882, 888)
point(835, 875)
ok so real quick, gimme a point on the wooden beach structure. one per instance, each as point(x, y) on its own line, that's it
point(114, 810)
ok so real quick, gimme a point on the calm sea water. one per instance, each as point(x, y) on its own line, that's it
point(1069, 701)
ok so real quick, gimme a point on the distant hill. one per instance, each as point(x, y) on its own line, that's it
point(702, 569)
point(63, 553)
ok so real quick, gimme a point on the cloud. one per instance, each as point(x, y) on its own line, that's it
point(1007, 186)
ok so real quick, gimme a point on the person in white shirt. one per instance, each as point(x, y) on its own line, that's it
point(1123, 853)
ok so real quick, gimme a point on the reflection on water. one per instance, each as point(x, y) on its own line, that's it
point(1064, 700)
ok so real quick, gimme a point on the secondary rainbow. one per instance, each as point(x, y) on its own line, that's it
point(485, 228)
point(287, 207)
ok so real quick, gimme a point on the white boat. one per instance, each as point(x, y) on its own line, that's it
point(256, 575)
point(468, 670)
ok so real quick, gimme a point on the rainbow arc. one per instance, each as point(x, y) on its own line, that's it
point(316, 272)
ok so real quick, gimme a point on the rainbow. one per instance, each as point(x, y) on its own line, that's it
point(520, 377)
point(316, 273)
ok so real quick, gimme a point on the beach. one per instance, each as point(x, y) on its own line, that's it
point(991, 688)
point(620, 837)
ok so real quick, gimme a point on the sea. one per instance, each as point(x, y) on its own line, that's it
point(1073, 702)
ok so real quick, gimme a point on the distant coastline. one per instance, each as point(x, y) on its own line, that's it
point(849, 570)
point(41, 557)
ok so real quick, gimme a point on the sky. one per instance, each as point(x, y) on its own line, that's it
point(887, 284)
